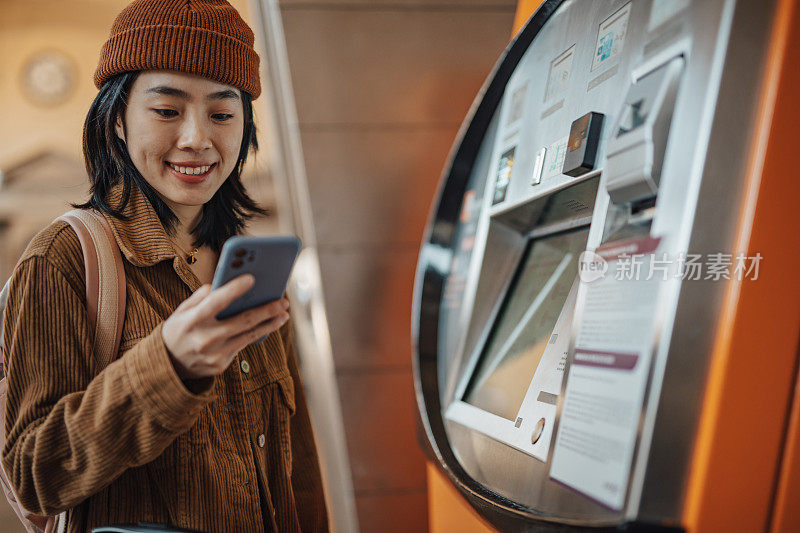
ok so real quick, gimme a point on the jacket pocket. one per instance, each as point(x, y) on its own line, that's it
point(284, 410)
point(286, 386)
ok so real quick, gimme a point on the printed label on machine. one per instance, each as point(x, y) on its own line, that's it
point(558, 78)
point(611, 37)
point(556, 153)
point(517, 106)
point(608, 374)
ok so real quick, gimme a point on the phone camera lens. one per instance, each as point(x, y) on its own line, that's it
point(241, 252)
point(237, 263)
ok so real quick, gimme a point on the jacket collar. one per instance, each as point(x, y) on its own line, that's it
point(141, 238)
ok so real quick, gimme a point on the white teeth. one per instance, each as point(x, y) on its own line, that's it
point(191, 171)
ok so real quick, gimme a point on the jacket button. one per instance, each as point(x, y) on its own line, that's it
point(245, 367)
point(262, 440)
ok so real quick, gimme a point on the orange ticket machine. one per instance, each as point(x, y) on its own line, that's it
point(607, 305)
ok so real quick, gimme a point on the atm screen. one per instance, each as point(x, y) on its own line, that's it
point(524, 323)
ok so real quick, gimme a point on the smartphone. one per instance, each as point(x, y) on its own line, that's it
point(268, 258)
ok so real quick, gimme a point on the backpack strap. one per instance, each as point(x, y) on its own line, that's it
point(3, 302)
point(105, 301)
point(105, 280)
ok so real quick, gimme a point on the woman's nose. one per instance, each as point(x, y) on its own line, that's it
point(194, 134)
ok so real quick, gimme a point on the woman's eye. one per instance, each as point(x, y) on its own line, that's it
point(166, 112)
point(221, 116)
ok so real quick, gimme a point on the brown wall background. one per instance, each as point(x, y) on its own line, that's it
point(41, 159)
point(381, 88)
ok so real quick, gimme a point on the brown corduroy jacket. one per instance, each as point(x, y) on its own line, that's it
point(131, 442)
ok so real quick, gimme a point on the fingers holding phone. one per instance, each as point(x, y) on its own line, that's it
point(242, 306)
point(200, 345)
point(255, 324)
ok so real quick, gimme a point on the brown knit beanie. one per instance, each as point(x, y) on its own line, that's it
point(203, 37)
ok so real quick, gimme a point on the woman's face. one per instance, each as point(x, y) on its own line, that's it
point(183, 133)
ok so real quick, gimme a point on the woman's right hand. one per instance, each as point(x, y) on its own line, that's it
point(202, 346)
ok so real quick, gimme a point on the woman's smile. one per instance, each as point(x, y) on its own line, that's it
point(190, 172)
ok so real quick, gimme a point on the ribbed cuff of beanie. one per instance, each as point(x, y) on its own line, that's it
point(192, 50)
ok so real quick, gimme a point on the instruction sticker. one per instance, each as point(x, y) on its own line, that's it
point(517, 105)
point(611, 36)
point(558, 79)
point(603, 399)
point(555, 156)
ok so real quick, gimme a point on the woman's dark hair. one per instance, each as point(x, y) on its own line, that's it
point(107, 161)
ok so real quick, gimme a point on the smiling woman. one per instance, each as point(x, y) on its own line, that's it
point(171, 431)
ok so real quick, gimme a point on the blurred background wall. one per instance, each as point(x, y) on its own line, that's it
point(48, 53)
point(49, 49)
point(381, 88)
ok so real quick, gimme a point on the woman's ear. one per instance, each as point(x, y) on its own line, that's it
point(119, 128)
